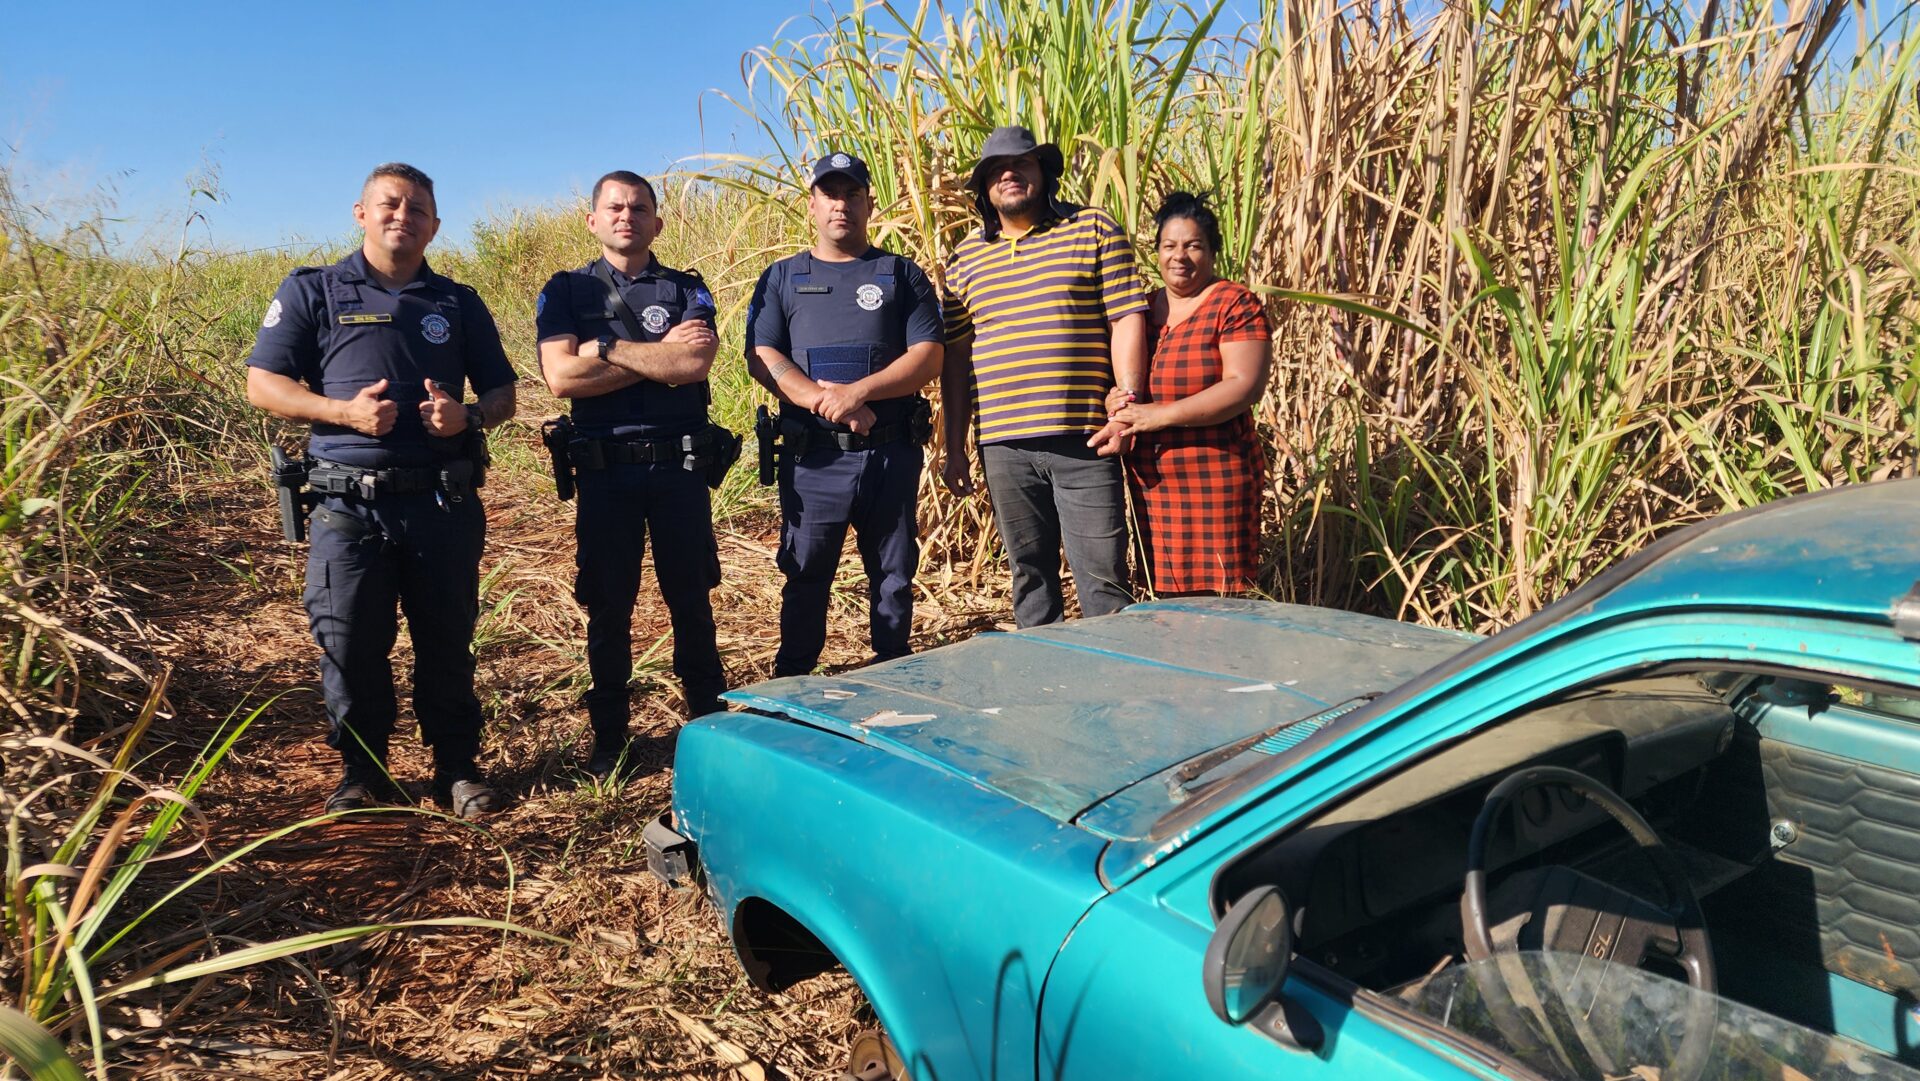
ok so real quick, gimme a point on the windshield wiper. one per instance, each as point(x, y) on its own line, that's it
point(1203, 764)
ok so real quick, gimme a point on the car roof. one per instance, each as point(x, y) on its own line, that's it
point(1850, 552)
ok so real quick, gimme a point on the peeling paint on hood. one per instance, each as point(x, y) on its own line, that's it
point(1061, 717)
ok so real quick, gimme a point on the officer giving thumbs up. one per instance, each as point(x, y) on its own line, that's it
point(845, 335)
point(396, 516)
point(370, 414)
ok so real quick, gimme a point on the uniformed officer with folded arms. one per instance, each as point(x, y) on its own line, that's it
point(845, 335)
point(630, 342)
point(375, 352)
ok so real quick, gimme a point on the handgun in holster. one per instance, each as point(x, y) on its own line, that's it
point(765, 432)
point(726, 451)
point(556, 434)
point(920, 421)
point(290, 479)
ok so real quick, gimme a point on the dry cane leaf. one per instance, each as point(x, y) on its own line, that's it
point(728, 1052)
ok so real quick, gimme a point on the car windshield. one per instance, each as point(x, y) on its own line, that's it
point(1565, 1015)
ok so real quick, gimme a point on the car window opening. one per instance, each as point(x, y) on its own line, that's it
point(1789, 804)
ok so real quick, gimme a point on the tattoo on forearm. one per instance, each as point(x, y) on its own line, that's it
point(779, 371)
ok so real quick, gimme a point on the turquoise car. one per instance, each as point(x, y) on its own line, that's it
point(1667, 828)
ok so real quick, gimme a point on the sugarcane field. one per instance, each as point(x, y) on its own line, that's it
point(962, 538)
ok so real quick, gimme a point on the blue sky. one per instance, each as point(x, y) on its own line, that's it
point(291, 103)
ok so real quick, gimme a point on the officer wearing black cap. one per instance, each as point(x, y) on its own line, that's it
point(375, 352)
point(631, 342)
point(845, 335)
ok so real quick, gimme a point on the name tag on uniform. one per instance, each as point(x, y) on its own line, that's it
point(813, 288)
point(364, 319)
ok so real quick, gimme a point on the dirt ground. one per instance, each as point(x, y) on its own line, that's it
point(646, 984)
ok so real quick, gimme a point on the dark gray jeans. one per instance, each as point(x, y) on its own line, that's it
point(1055, 489)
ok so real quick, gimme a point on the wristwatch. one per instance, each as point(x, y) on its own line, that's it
point(606, 345)
point(476, 417)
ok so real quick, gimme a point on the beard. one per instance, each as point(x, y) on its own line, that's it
point(1026, 206)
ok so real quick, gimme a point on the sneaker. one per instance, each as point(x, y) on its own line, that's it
point(360, 788)
point(462, 791)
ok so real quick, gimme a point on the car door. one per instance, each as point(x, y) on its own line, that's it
point(1124, 999)
point(1822, 791)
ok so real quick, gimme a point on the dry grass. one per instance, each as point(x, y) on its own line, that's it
point(176, 566)
point(649, 971)
point(1557, 276)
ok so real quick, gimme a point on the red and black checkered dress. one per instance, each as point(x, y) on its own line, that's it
point(1199, 488)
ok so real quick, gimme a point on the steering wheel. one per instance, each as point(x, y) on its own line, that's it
point(1565, 910)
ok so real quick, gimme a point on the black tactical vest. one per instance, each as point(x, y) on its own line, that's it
point(370, 335)
point(646, 409)
point(844, 327)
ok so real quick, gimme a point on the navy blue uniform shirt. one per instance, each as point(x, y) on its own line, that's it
point(576, 302)
point(337, 330)
point(912, 312)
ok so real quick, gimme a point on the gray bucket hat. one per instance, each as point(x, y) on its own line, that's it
point(1011, 142)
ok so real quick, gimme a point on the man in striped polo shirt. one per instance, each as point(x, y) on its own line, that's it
point(1045, 314)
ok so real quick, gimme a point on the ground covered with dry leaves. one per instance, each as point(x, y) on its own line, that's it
point(645, 984)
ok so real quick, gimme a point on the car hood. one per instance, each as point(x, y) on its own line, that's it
point(1062, 717)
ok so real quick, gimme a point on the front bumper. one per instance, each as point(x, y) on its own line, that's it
point(670, 856)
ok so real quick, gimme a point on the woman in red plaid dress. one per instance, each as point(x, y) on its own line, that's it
point(1195, 465)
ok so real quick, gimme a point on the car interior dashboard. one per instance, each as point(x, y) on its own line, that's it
point(1792, 807)
point(1377, 878)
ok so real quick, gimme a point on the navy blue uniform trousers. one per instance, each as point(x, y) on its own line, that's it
point(619, 506)
point(424, 556)
point(877, 492)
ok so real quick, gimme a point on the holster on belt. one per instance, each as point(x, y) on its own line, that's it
point(556, 434)
point(765, 432)
point(723, 450)
point(920, 421)
point(290, 479)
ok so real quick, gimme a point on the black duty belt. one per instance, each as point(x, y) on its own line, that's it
point(798, 437)
point(333, 478)
point(600, 453)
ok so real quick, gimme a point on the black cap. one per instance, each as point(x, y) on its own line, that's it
point(844, 164)
point(1011, 142)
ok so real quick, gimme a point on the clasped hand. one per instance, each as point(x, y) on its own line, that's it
point(841, 403)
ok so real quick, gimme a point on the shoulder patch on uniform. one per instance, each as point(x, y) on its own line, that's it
point(435, 328)
point(702, 298)
point(540, 304)
point(272, 318)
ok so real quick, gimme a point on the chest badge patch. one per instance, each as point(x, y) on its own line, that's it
point(435, 329)
point(654, 318)
point(273, 315)
point(868, 297)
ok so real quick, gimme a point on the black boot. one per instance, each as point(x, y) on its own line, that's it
point(611, 755)
point(365, 784)
point(704, 700)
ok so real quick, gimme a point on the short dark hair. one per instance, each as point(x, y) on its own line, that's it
point(622, 176)
point(1194, 208)
point(400, 170)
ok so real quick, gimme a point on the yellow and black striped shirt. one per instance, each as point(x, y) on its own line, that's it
point(1041, 308)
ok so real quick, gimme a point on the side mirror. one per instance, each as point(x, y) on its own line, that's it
point(1248, 955)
